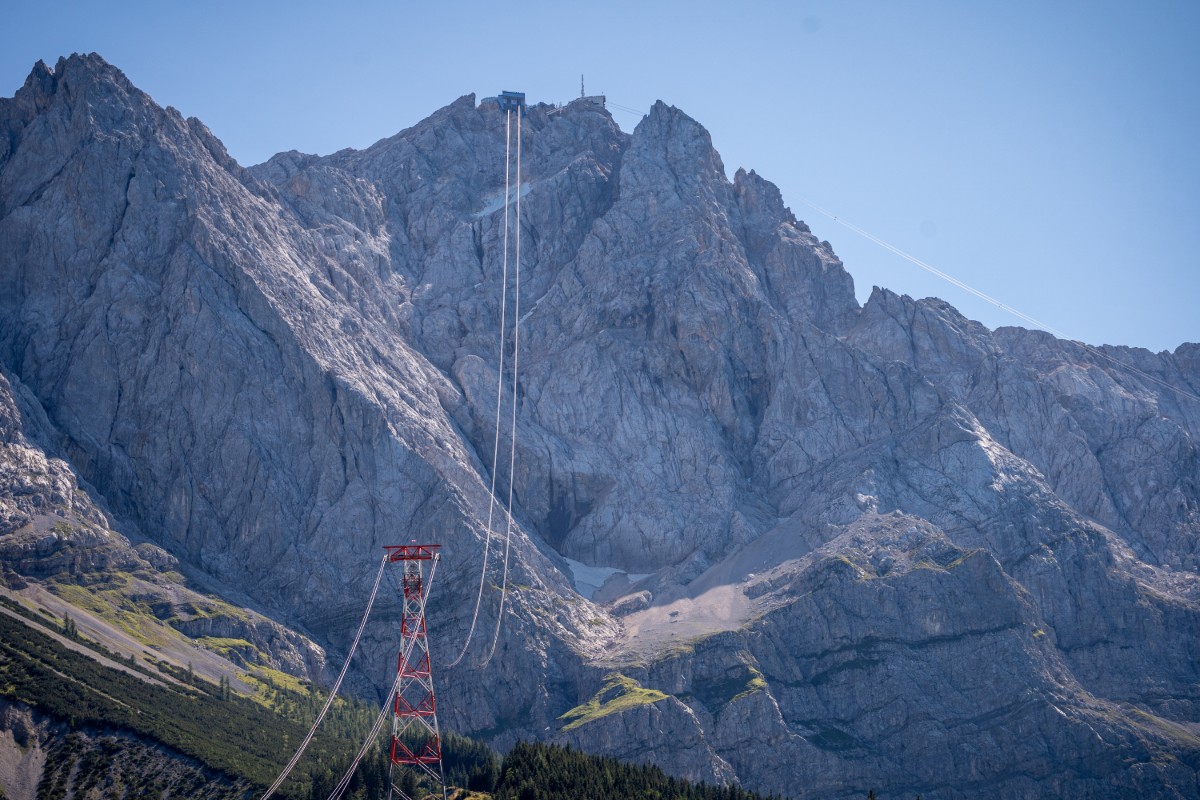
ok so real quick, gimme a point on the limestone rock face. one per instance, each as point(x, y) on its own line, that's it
point(680, 747)
point(856, 547)
point(56, 532)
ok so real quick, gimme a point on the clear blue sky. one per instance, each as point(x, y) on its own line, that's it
point(1045, 153)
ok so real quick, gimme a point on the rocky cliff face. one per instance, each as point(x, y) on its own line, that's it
point(851, 547)
point(56, 533)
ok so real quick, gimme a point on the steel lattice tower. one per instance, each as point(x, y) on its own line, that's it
point(416, 740)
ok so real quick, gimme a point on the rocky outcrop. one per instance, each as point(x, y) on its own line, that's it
point(241, 389)
point(22, 759)
point(877, 547)
point(55, 534)
point(890, 645)
point(680, 747)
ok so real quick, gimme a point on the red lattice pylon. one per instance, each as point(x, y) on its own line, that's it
point(416, 740)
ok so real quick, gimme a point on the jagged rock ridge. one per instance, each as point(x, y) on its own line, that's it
point(887, 547)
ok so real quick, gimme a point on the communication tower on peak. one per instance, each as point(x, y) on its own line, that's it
point(598, 99)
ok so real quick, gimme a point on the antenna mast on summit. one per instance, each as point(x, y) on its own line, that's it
point(581, 92)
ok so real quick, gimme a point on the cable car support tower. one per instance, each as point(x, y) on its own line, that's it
point(416, 739)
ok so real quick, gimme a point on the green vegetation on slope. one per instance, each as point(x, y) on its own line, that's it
point(88, 763)
point(619, 693)
point(234, 735)
point(246, 741)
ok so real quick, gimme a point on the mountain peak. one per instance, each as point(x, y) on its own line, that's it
point(669, 140)
point(668, 123)
point(75, 67)
point(804, 511)
point(77, 81)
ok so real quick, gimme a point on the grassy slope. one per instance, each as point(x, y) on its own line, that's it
point(231, 734)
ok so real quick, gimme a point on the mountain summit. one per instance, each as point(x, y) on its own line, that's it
point(811, 546)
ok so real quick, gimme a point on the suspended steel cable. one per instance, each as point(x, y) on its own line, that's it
point(626, 109)
point(405, 655)
point(499, 388)
point(337, 685)
point(492, 499)
point(375, 729)
point(512, 453)
point(1002, 306)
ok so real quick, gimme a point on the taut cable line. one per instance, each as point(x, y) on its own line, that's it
point(487, 543)
point(512, 453)
point(337, 685)
point(512, 103)
point(1095, 351)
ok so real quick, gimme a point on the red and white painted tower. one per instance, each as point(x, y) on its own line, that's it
point(416, 740)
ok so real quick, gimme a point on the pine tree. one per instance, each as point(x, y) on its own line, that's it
point(68, 627)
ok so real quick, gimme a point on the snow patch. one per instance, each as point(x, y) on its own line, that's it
point(496, 203)
point(588, 580)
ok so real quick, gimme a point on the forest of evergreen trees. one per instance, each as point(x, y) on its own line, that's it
point(545, 772)
point(535, 771)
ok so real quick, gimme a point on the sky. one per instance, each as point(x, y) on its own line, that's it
point(1043, 153)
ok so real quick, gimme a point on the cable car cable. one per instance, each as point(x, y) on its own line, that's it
point(337, 685)
point(512, 453)
point(1003, 306)
point(499, 389)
